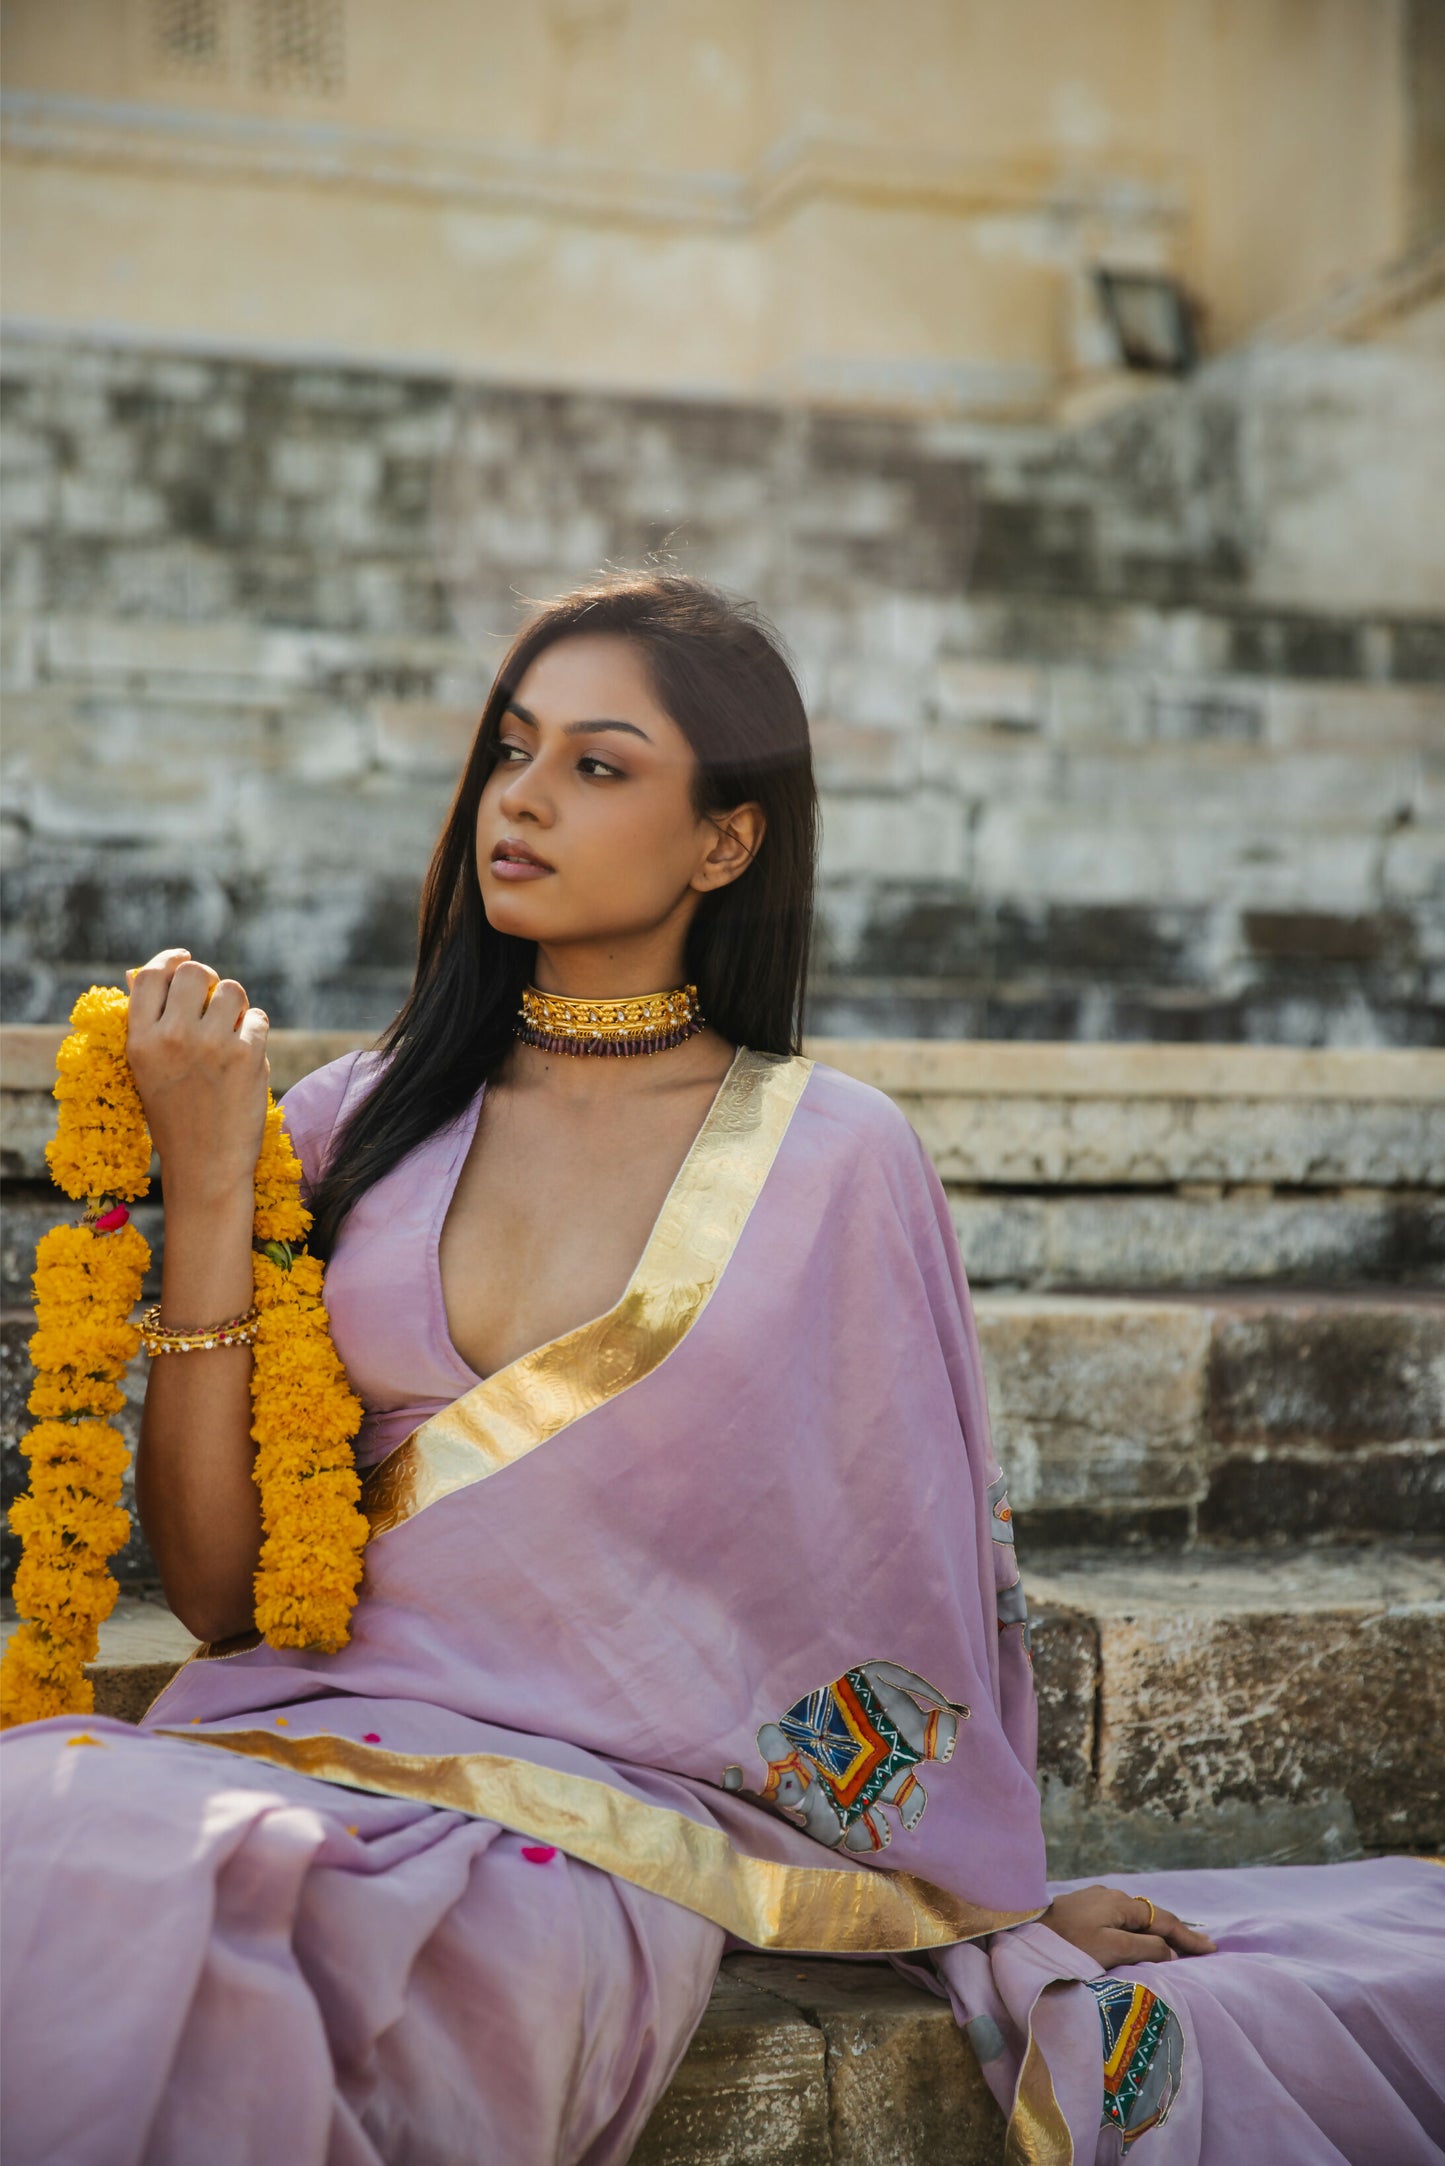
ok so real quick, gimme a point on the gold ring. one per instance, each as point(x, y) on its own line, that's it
point(1149, 1926)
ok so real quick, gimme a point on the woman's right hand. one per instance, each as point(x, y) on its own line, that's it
point(198, 1054)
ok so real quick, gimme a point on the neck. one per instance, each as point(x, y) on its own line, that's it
point(623, 973)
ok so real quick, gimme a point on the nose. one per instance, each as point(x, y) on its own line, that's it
point(525, 793)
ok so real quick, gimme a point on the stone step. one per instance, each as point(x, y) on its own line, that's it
point(1167, 683)
point(1155, 686)
point(1082, 667)
point(1201, 1234)
point(1247, 1418)
point(1239, 1707)
point(1038, 1116)
point(812, 2063)
point(1197, 1709)
point(1200, 636)
point(1321, 1007)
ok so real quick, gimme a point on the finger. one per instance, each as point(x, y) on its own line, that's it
point(225, 1006)
point(151, 982)
point(190, 989)
point(1146, 1919)
point(254, 1025)
point(1188, 1939)
point(1118, 1947)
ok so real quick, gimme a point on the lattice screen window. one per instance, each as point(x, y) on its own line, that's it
point(299, 45)
point(188, 37)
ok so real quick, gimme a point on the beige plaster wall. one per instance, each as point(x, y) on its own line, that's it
point(814, 198)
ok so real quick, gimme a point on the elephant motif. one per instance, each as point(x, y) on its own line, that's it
point(1012, 1608)
point(851, 1746)
point(1143, 2057)
point(1001, 1511)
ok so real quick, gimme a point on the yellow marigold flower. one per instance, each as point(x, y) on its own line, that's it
point(41, 1676)
point(87, 1523)
point(306, 1277)
point(87, 1283)
point(74, 1599)
point(68, 1450)
point(280, 1213)
point(76, 1264)
point(99, 1347)
point(101, 1013)
point(68, 1393)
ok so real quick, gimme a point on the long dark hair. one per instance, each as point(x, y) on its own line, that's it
point(721, 671)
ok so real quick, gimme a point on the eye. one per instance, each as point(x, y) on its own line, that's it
point(504, 750)
point(591, 760)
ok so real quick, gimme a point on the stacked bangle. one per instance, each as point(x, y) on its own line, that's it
point(159, 1338)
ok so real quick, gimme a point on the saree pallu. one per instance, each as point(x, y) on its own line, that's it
point(699, 1627)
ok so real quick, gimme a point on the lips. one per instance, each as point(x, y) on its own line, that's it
point(514, 860)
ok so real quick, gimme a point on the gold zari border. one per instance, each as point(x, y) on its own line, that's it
point(533, 1398)
point(807, 1908)
point(1038, 2134)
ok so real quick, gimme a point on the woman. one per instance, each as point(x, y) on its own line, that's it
point(690, 1617)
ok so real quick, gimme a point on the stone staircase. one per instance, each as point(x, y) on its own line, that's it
point(1098, 760)
point(1210, 1286)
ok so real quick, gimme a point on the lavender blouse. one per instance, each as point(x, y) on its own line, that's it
point(383, 1282)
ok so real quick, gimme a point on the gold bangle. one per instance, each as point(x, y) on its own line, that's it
point(159, 1338)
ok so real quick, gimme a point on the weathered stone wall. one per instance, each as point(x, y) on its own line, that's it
point(1094, 763)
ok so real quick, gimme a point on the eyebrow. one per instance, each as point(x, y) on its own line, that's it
point(575, 729)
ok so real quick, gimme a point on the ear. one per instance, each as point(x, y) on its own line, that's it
point(737, 837)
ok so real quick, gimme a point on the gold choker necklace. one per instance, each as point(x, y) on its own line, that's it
point(649, 1023)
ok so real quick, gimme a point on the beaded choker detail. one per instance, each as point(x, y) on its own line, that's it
point(650, 1023)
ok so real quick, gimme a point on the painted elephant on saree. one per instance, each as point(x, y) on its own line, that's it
point(849, 1747)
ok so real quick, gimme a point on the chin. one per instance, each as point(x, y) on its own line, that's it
point(515, 910)
point(508, 914)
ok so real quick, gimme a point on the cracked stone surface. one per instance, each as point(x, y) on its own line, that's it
point(1275, 1677)
point(881, 2074)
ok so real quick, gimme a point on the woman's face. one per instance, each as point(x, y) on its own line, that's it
point(595, 780)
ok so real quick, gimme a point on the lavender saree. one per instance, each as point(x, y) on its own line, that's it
point(699, 1627)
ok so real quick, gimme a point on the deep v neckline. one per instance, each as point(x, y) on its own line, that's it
point(501, 1418)
point(468, 1136)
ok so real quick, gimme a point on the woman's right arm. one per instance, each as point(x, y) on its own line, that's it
point(198, 1054)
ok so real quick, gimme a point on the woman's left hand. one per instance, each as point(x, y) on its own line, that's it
point(1115, 1928)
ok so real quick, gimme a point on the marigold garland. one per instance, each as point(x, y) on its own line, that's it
point(87, 1281)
